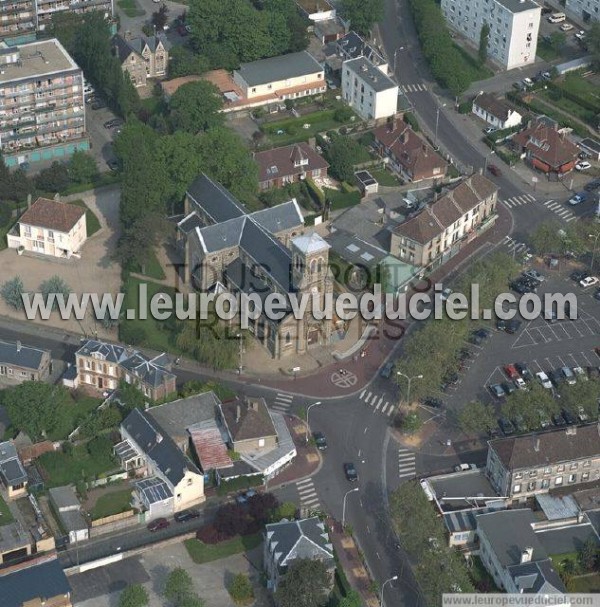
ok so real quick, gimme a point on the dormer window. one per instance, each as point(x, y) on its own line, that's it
point(302, 161)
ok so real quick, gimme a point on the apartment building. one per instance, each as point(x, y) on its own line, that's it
point(514, 26)
point(18, 21)
point(368, 90)
point(46, 8)
point(42, 109)
point(523, 466)
point(439, 230)
point(584, 11)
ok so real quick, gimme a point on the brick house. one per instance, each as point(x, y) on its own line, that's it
point(291, 163)
point(19, 363)
point(143, 57)
point(409, 155)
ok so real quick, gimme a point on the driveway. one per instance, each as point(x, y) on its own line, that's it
point(146, 8)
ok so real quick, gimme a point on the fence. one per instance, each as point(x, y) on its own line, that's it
point(100, 482)
point(113, 518)
point(131, 520)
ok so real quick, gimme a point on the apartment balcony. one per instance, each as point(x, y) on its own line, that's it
point(89, 4)
point(68, 114)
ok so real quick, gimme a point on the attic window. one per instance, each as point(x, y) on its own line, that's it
point(273, 170)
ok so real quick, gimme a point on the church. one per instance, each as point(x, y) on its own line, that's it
point(267, 251)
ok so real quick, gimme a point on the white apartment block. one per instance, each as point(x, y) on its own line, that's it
point(368, 90)
point(514, 26)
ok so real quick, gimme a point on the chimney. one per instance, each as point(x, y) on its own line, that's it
point(404, 137)
point(238, 413)
point(18, 346)
point(28, 200)
point(536, 444)
point(527, 555)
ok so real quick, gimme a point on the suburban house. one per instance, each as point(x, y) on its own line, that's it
point(36, 582)
point(144, 57)
point(12, 473)
point(261, 252)
point(513, 554)
point(171, 482)
point(291, 163)
point(407, 153)
point(495, 112)
point(68, 508)
point(523, 466)
point(437, 232)
point(546, 148)
point(249, 424)
point(368, 90)
point(19, 363)
point(288, 541)
point(50, 227)
point(101, 366)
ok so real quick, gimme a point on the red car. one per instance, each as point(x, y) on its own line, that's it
point(494, 170)
point(158, 523)
point(511, 372)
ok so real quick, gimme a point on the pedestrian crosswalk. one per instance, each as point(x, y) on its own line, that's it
point(283, 402)
point(308, 494)
point(517, 201)
point(413, 88)
point(515, 247)
point(378, 402)
point(560, 210)
point(406, 463)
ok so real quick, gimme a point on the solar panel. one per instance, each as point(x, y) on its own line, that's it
point(353, 248)
point(367, 257)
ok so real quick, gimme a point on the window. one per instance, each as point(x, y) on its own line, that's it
point(585, 476)
point(518, 475)
point(189, 481)
point(587, 463)
point(574, 466)
point(561, 468)
point(261, 442)
point(532, 486)
point(545, 483)
point(572, 478)
point(517, 488)
point(558, 481)
point(288, 338)
point(548, 470)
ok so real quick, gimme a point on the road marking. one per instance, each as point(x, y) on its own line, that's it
point(390, 411)
point(306, 481)
point(362, 394)
point(384, 408)
point(283, 402)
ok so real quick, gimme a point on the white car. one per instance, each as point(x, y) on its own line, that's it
point(544, 380)
point(590, 281)
point(528, 82)
point(566, 27)
point(582, 415)
point(520, 383)
point(580, 374)
point(427, 489)
point(584, 165)
point(445, 294)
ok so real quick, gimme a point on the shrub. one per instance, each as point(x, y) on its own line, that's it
point(412, 121)
point(209, 535)
point(240, 589)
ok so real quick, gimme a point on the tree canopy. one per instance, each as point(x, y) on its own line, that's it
point(343, 153)
point(134, 596)
point(195, 107)
point(362, 14)
point(306, 584)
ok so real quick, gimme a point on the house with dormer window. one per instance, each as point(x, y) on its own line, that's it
point(143, 57)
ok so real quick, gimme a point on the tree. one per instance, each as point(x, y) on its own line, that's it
point(134, 596)
point(209, 342)
point(160, 17)
point(484, 39)
point(64, 26)
point(534, 405)
point(12, 293)
point(352, 599)
point(195, 107)
point(179, 586)
point(306, 584)
point(286, 510)
point(184, 62)
point(53, 179)
point(131, 396)
point(589, 554)
point(592, 40)
point(558, 40)
point(240, 589)
point(343, 153)
point(583, 394)
point(408, 421)
point(138, 241)
point(82, 167)
point(362, 14)
point(475, 417)
point(56, 286)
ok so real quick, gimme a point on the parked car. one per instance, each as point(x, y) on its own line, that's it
point(544, 380)
point(556, 377)
point(544, 421)
point(511, 371)
point(569, 418)
point(494, 170)
point(577, 199)
point(113, 164)
point(513, 326)
point(98, 104)
point(519, 86)
point(464, 467)
point(386, 370)
point(431, 401)
point(592, 185)
point(528, 82)
point(427, 489)
point(187, 515)
point(580, 373)
point(584, 165)
point(578, 275)
point(520, 383)
point(158, 523)
point(582, 416)
point(558, 420)
point(508, 387)
point(566, 27)
point(506, 426)
point(580, 35)
point(243, 498)
point(590, 281)
point(535, 275)
point(488, 130)
point(497, 391)
point(593, 372)
point(569, 376)
point(524, 371)
point(350, 472)
point(445, 294)
point(320, 441)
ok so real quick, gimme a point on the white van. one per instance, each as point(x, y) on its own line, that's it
point(557, 17)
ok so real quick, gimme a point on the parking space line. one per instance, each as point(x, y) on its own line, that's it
point(562, 362)
point(587, 359)
point(535, 362)
point(575, 361)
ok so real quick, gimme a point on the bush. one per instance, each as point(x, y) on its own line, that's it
point(465, 107)
point(132, 334)
point(209, 535)
point(412, 121)
point(343, 114)
point(240, 589)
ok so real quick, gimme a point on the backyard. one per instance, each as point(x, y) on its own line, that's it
point(152, 267)
point(205, 553)
point(73, 414)
point(130, 8)
point(5, 514)
point(92, 222)
point(111, 502)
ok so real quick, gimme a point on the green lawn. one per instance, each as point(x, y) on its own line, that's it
point(130, 8)
point(471, 63)
point(481, 578)
point(205, 553)
point(92, 223)
point(152, 269)
point(546, 51)
point(5, 514)
point(586, 584)
point(342, 200)
point(384, 177)
point(576, 84)
point(73, 415)
point(112, 503)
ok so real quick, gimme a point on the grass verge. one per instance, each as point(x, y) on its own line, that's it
point(6, 516)
point(152, 268)
point(205, 553)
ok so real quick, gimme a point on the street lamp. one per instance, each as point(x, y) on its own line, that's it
point(401, 48)
point(392, 579)
point(344, 505)
point(240, 367)
point(307, 412)
point(437, 121)
point(595, 237)
point(409, 380)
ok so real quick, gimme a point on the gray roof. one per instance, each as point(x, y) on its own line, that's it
point(149, 371)
point(365, 70)
point(222, 235)
point(472, 483)
point(214, 199)
point(570, 538)
point(509, 533)
point(355, 250)
point(278, 68)
point(109, 352)
point(64, 498)
point(44, 580)
point(189, 223)
point(284, 216)
point(19, 355)
point(13, 536)
point(154, 490)
point(152, 440)
point(537, 578)
point(305, 539)
point(591, 144)
point(73, 520)
point(518, 6)
point(353, 46)
point(125, 47)
point(11, 468)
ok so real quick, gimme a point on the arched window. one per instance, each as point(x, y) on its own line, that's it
point(313, 266)
point(320, 267)
point(288, 338)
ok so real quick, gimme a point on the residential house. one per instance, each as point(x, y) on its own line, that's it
point(36, 582)
point(513, 27)
point(12, 473)
point(407, 153)
point(257, 253)
point(368, 90)
point(68, 509)
point(19, 363)
point(288, 541)
point(101, 366)
point(545, 147)
point(249, 424)
point(523, 466)
point(495, 112)
point(171, 482)
point(280, 166)
point(352, 46)
point(437, 232)
point(144, 57)
point(50, 227)
point(513, 555)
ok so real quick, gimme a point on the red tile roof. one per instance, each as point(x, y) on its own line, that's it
point(53, 215)
point(282, 159)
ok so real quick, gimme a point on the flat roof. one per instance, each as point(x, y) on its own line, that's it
point(38, 59)
point(518, 6)
point(591, 144)
point(370, 73)
point(472, 483)
point(278, 68)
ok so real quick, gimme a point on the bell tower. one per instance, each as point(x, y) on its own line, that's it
point(310, 263)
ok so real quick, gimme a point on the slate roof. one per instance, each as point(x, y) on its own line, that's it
point(64, 498)
point(247, 419)
point(152, 440)
point(282, 67)
point(304, 539)
point(52, 215)
point(280, 162)
point(284, 216)
point(370, 73)
point(494, 106)
point(537, 578)
point(149, 371)
point(124, 47)
point(214, 199)
point(352, 46)
point(545, 142)
point(109, 352)
point(547, 448)
point(45, 580)
point(189, 223)
point(437, 216)
point(11, 468)
point(22, 356)
point(310, 243)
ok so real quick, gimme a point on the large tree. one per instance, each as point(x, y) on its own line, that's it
point(134, 596)
point(362, 14)
point(306, 584)
point(534, 405)
point(184, 62)
point(343, 153)
point(195, 107)
point(583, 394)
point(82, 167)
point(475, 417)
point(12, 292)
